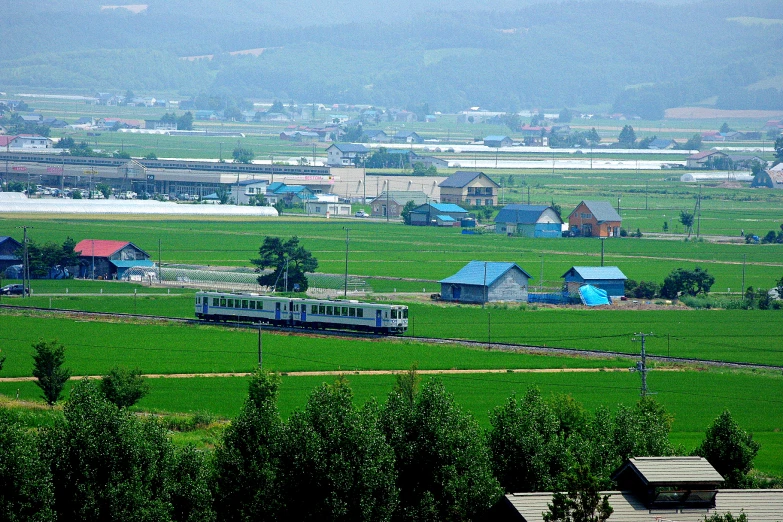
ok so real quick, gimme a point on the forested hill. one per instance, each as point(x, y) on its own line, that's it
point(639, 57)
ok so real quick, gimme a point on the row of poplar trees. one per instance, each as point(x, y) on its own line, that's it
point(417, 457)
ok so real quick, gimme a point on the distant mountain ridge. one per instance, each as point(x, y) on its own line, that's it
point(640, 57)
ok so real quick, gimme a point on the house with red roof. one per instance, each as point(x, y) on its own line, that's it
point(106, 259)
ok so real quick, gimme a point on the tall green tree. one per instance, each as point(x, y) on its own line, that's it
point(246, 461)
point(405, 213)
point(190, 495)
point(686, 218)
point(688, 282)
point(25, 480)
point(288, 260)
point(581, 502)
point(338, 454)
point(185, 122)
point(105, 463)
point(730, 450)
point(48, 370)
point(779, 150)
point(124, 387)
point(593, 137)
point(627, 137)
point(443, 465)
point(527, 445)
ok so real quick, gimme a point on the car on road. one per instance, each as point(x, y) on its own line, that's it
point(361, 213)
point(15, 289)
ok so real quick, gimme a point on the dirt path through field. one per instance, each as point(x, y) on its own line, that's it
point(360, 372)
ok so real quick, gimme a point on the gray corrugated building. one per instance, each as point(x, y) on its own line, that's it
point(609, 278)
point(486, 281)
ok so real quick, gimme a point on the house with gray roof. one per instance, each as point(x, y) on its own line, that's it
point(498, 141)
point(486, 281)
point(608, 278)
point(407, 137)
point(662, 144)
point(469, 187)
point(392, 202)
point(594, 219)
point(375, 136)
point(8, 249)
point(345, 154)
point(439, 214)
point(529, 221)
point(661, 489)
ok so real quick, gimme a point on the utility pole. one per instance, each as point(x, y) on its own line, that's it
point(26, 265)
point(484, 297)
point(345, 293)
point(744, 256)
point(602, 251)
point(646, 188)
point(641, 366)
point(698, 215)
point(159, 261)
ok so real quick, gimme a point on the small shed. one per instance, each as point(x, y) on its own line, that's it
point(106, 259)
point(486, 281)
point(607, 278)
point(435, 213)
point(498, 141)
point(529, 221)
point(772, 178)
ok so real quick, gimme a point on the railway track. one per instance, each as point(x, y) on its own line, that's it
point(515, 347)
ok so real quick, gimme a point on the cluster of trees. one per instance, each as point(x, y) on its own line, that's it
point(50, 258)
point(418, 456)
point(680, 282)
point(243, 155)
point(184, 122)
point(382, 158)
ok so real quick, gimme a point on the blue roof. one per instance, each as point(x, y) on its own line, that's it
point(274, 186)
point(350, 147)
point(128, 264)
point(473, 273)
point(524, 214)
point(593, 273)
point(446, 208)
point(445, 218)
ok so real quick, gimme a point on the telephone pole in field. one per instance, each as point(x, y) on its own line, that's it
point(641, 366)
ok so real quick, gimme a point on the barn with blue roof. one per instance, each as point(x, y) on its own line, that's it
point(486, 281)
point(608, 278)
point(440, 214)
point(529, 221)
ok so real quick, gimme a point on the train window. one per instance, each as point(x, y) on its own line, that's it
point(285, 307)
point(394, 313)
point(198, 300)
point(386, 314)
point(404, 313)
point(321, 309)
point(230, 303)
point(344, 311)
point(260, 305)
point(222, 301)
point(328, 310)
point(244, 303)
point(252, 305)
point(352, 312)
point(314, 309)
point(215, 301)
point(360, 312)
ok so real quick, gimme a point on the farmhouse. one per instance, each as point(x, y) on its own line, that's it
point(345, 154)
point(288, 194)
point(244, 191)
point(595, 219)
point(375, 136)
point(498, 141)
point(671, 489)
point(106, 259)
point(29, 142)
point(469, 187)
point(407, 137)
point(608, 278)
point(392, 202)
point(705, 159)
point(439, 214)
point(662, 144)
point(529, 221)
point(485, 281)
point(328, 208)
point(8, 249)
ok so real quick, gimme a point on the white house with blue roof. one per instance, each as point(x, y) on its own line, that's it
point(440, 214)
point(529, 221)
point(608, 278)
point(486, 281)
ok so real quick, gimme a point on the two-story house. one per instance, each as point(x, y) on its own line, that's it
point(469, 188)
point(345, 154)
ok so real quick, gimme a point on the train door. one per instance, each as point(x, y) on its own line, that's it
point(303, 312)
point(378, 319)
point(205, 301)
point(277, 311)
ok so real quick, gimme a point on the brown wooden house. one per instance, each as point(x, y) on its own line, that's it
point(594, 219)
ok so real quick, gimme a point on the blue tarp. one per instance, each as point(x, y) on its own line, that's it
point(592, 296)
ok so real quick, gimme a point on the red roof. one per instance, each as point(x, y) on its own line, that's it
point(5, 140)
point(99, 247)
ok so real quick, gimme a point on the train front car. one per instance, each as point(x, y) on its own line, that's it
point(398, 320)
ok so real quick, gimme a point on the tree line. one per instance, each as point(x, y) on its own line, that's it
point(416, 456)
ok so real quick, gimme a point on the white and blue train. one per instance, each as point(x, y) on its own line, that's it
point(302, 312)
